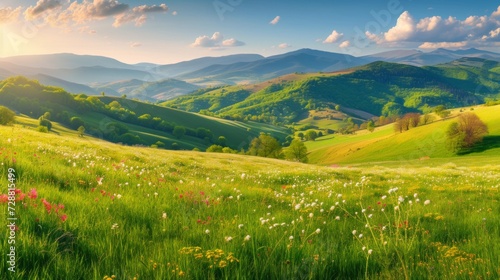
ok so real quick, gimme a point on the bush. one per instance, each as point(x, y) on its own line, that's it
point(466, 132)
point(7, 116)
point(42, 129)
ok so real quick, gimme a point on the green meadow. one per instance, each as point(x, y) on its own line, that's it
point(89, 209)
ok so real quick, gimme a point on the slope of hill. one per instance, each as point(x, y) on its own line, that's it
point(126, 119)
point(378, 88)
point(424, 142)
point(145, 90)
point(65, 61)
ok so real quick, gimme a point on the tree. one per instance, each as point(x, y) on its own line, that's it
point(81, 131)
point(76, 122)
point(337, 107)
point(311, 135)
point(297, 151)
point(265, 146)
point(179, 131)
point(215, 149)
point(222, 141)
point(7, 116)
point(370, 126)
point(466, 132)
point(42, 121)
point(301, 135)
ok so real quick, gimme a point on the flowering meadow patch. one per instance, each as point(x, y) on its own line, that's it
point(96, 210)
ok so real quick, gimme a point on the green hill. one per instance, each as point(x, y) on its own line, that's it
point(378, 88)
point(127, 121)
point(423, 142)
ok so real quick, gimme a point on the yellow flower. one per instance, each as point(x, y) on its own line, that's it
point(222, 264)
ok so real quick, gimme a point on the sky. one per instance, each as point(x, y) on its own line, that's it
point(170, 31)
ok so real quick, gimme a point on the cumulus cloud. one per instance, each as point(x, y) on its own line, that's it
point(275, 20)
point(40, 7)
point(216, 41)
point(404, 29)
point(334, 37)
point(9, 14)
point(437, 32)
point(138, 14)
point(496, 13)
point(345, 44)
point(284, 46)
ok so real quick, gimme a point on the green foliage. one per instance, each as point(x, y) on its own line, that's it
point(370, 126)
point(265, 146)
point(297, 151)
point(7, 116)
point(42, 129)
point(222, 141)
point(466, 132)
point(45, 122)
point(311, 135)
point(215, 149)
point(179, 131)
point(81, 131)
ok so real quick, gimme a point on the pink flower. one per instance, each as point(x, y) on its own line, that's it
point(4, 198)
point(32, 194)
point(63, 217)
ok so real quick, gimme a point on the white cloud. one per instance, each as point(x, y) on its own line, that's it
point(438, 32)
point(345, 44)
point(404, 29)
point(41, 6)
point(284, 46)
point(135, 45)
point(138, 14)
point(446, 45)
point(216, 41)
point(275, 20)
point(9, 14)
point(496, 13)
point(174, 13)
point(333, 37)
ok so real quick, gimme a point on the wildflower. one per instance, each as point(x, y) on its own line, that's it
point(297, 207)
point(247, 238)
point(118, 196)
point(337, 218)
point(243, 175)
point(99, 180)
point(114, 226)
point(240, 226)
point(291, 237)
point(360, 236)
point(384, 196)
point(164, 215)
point(354, 232)
point(311, 215)
point(396, 208)
point(427, 202)
point(370, 252)
point(64, 217)
point(318, 231)
point(364, 248)
point(228, 238)
point(401, 199)
point(207, 231)
point(415, 195)
point(32, 194)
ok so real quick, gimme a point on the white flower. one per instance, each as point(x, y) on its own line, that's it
point(401, 199)
point(332, 208)
point(318, 231)
point(118, 196)
point(243, 176)
point(291, 237)
point(247, 238)
point(427, 202)
point(114, 226)
point(360, 236)
point(384, 196)
point(364, 248)
point(240, 226)
point(396, 208)
point(415, 195)
point(228, 238)
point(370, 252)
point(297, 207)
point(354, 232)
point(311, 215)
point(207, 231)
point(337, 218)
point(164, 215)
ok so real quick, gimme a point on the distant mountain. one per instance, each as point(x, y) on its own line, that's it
point(438, 56)
point(151, 91)
point(65, 60)
point(304, 60)
point(68, 86)
point(171, 70)
point(378, 88)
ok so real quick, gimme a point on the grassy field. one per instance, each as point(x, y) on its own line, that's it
point(88, 209)
point(407, 147)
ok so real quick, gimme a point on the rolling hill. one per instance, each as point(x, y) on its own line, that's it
point(423, 145)
point(377, 88)
point(127, 121)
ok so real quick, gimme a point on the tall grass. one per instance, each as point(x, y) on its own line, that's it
point(140, 213)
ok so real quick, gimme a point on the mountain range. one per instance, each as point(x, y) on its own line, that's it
point(153, 82)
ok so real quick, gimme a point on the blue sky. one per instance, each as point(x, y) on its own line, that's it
point(177, 30)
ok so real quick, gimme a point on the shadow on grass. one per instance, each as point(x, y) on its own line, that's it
point(488, 143)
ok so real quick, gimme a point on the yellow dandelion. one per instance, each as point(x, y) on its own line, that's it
point(222, 264)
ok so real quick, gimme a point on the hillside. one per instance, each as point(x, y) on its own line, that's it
point(384, 146)
point(127, 121)
point(89, 209)
point(378, 88)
